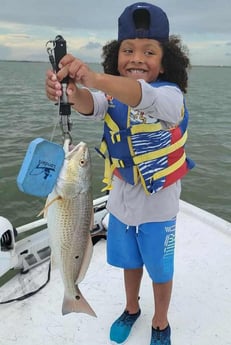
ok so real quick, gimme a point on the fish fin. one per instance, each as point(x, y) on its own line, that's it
point(48, 204)
point(77, 305)
point(86, 260)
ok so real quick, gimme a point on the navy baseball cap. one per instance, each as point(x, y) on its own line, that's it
point(143, 20)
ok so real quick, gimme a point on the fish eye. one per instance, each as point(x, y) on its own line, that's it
point(82, 162)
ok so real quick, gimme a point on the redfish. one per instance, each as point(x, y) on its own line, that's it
point(69, 211)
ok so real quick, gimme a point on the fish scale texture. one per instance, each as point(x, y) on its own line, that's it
point(70, 209)
point(71, 221)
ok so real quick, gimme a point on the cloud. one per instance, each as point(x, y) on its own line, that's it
point(192, 16)
point(87, 26)
point(92, 45)
point(19, 36)
point(89, 52)
point(59, 14)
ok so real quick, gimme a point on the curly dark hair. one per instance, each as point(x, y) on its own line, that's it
point(175, 61)
point(110, 57)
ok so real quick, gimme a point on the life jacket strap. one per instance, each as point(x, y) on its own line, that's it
point(108, 166)
point(108, 171)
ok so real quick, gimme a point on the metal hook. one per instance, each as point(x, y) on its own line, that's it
point(53, 44)
point(50, 52)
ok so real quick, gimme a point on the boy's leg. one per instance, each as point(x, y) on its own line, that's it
point(123, 251)
point(157, 244)
point(122, 326)
point(132, 280)
point(162, 295)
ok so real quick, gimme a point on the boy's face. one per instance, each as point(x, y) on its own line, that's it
point(140, 58)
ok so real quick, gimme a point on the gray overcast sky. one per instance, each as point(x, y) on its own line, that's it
point(26, 25)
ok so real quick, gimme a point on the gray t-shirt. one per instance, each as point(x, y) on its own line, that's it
point(130, 203)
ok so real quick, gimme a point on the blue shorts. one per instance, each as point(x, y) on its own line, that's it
point(149, 244)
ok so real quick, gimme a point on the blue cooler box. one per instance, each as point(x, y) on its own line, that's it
point(40, 168)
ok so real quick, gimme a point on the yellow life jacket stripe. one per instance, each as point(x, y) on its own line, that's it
point(114, 128)
point(111, 124)
point(170, 169)
point(164, 172)
point(108, 170)
point(135, 170)
point(139, 128)
point(161, 152)
point(103, 147)
point(146, 128)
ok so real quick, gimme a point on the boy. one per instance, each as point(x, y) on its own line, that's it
point(141, 101)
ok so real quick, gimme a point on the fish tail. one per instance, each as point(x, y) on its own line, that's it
point(78, 304)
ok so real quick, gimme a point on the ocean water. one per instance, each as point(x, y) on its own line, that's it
point(27, 114)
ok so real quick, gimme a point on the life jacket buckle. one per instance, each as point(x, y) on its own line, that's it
point(115, 137)
point(121, 163)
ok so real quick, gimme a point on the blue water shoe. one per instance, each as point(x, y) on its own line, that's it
point(161, 337)
point(121, 328)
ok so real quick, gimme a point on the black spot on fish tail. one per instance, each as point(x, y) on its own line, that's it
point(77, 256)
point(77, 297)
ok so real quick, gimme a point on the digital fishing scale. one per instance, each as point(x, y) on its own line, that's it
point(44, 159)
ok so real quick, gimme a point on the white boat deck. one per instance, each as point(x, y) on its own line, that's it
point(200, 311)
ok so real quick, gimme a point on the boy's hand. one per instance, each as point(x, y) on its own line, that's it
point(53, 86)
point(77, 70)
point(54, 89)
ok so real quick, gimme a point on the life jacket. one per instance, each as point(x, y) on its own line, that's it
point(143, 151)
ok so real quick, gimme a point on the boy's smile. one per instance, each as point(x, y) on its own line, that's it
point(140, 59)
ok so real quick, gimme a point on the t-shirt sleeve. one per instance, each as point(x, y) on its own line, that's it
point(100, 106)
point(164, 103)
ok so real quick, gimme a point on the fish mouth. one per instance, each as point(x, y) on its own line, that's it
point(80, 146)
point(81, 151)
